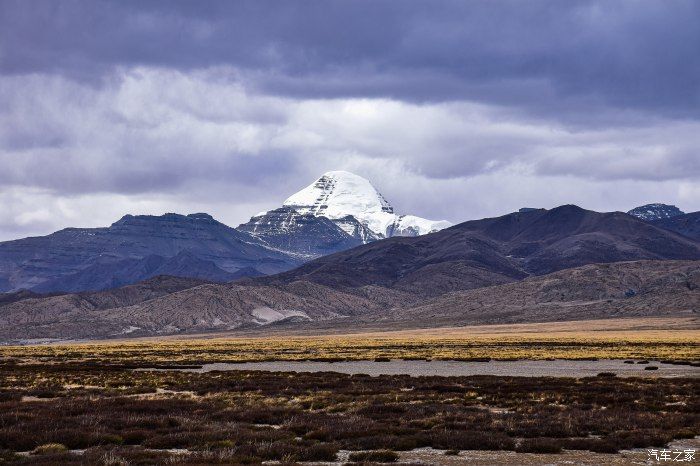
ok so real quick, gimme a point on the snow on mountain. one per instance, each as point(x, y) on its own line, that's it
point(304, 235)
point(410, 225)
point(339, 194)
point(651, 212)
point(355, 229)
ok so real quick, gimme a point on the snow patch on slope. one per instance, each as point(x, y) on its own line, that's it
point(410, 225)
point(266, 315)
point(129, 329)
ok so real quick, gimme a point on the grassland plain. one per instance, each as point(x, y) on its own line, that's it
point(439, 344)
point(84, 403)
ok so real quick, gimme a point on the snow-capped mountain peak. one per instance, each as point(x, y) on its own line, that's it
point(338, 194)
point(656, 211)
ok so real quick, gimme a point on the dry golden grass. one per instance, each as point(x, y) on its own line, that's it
point(592, 339)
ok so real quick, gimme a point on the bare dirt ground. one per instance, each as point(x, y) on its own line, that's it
point(524, 368)
point(567, 457)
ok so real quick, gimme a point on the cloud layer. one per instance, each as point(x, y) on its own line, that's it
point(108, 108)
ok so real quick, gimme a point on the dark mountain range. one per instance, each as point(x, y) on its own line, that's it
point(168, 305)
point(496, 250)
point(103, 275)
point(686, 224)
point(135, 248)
point(303, 234)
point(336, 213)
point(650, 212)
point(482, 271)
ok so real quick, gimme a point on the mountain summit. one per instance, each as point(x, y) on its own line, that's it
point(339, 194)
point(338, 211)
point(651, 212)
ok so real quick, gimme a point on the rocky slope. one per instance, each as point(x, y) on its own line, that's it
point(623, 289)
point(166, 306)
point(686, 224)
point(304, 234)
point(59, 316)
point(135, 248)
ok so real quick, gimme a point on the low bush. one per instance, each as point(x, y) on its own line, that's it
point(591, 444)
point(469, 440)
point(539, 445)
point(135, 436)
point(49, 449)
point(377, 456)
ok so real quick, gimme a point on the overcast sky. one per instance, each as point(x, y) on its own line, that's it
point(454, 110)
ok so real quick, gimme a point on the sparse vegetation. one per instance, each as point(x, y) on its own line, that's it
point(121, 416)
point(60, 398)
point(668, 346)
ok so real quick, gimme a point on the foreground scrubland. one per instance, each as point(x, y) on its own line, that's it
point(87, 403)
point(88, 413)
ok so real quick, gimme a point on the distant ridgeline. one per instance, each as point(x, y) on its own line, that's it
point(339, 211)
point(579, 264)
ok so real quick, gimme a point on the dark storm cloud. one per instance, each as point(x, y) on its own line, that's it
point(563, 58)
point(115, 107)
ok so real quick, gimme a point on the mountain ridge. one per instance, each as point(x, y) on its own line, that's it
point(286, 229)
point(141, 244)
point(437, 277)
point(170, 305)
point(512, 247)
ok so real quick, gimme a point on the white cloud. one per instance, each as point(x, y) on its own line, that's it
point(151, 140)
